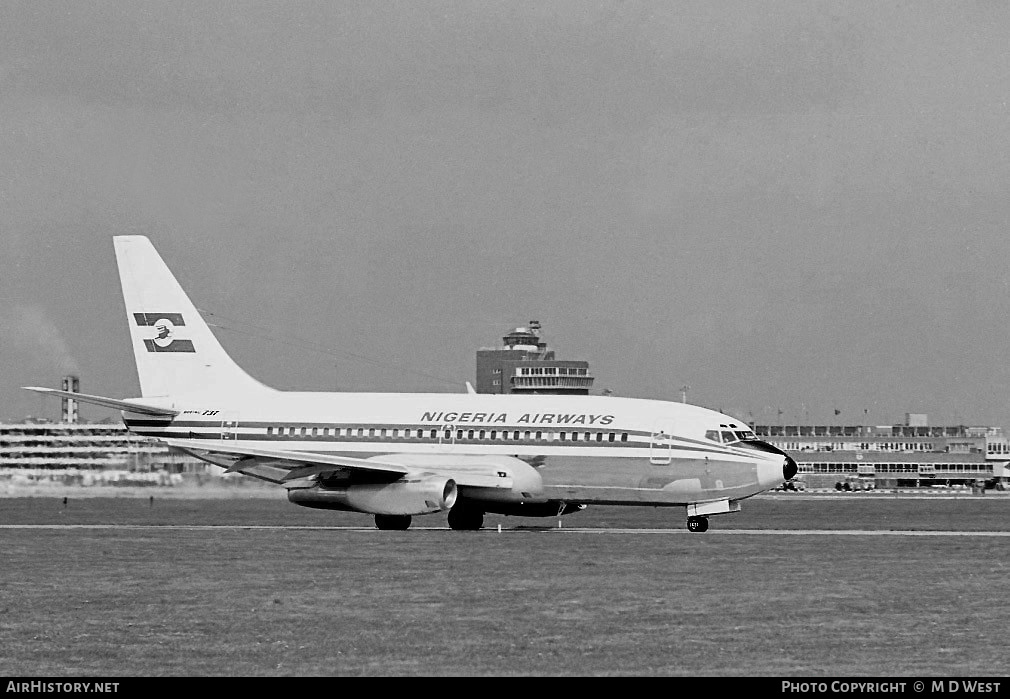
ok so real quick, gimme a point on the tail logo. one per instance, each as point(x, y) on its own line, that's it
point(165, 327)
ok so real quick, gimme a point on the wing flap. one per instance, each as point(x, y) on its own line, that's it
point(295, 465)
point(299, 463)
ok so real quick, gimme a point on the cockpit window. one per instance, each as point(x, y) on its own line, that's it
point(728, 437)
point(746, 434)
point(713, 435)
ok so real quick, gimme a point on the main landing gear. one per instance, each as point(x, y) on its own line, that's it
point(697, 524)
point(392, 522)
point(465, 519)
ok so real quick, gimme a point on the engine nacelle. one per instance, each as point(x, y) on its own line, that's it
point(403, 497)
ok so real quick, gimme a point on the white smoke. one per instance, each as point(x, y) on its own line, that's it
point(28, 330)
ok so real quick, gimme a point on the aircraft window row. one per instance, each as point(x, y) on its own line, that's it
point(351, 432)
point(502, 435)
point(538, 435)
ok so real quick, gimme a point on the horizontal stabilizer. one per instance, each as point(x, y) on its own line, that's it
point(127, 405)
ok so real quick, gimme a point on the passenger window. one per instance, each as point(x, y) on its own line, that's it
point(611, 439)
point(575, 436)
point(526, 435)
point(481, 435)
point(563, 436)
point(515, 435)
point(624, 436)
point(270, 430)
point(314, 431)
point(469, 434)
point(599, 436)
point(539, 435)
point(494, 433)
point(459, 434)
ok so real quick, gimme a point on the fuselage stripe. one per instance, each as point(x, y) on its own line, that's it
point(291, 434)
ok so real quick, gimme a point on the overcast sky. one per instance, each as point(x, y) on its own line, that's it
point(797, 206)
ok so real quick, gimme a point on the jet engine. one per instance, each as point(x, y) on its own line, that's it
point(402, 497)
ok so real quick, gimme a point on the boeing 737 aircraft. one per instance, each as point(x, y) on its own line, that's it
point(396, 455)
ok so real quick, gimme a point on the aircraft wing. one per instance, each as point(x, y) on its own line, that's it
point(128, 404)
point(284, 465)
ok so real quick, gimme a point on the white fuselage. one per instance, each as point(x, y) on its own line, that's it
point(589, 449)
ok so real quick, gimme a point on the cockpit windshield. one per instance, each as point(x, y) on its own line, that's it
point(729, 436)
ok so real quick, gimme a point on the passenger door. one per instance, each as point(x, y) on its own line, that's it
point(661, 444)
point(229, 426)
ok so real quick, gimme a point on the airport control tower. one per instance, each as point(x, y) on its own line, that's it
point(69, 413)
point(525, 365)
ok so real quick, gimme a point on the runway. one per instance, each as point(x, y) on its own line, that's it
point(259, 587)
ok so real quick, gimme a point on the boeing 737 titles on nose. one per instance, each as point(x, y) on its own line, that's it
point(397, 455)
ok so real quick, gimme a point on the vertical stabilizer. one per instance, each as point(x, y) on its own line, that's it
point(176, 352)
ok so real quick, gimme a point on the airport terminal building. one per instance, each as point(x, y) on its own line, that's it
point(78, 452)
point(909, 455)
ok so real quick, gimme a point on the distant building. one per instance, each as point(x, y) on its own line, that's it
point(908, 455)
point(525, 365)
point(99, 446)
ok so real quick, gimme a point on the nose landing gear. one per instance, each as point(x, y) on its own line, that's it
point(697, 524)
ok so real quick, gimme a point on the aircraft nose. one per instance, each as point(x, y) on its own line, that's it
point(789, 469)
point(774, 472)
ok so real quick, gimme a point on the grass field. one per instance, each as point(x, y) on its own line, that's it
point(156, 600)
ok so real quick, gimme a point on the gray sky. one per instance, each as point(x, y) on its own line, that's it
point(784, 205)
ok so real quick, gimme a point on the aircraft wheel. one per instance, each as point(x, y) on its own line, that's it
point(462, 519)
point(697, 524)
point(392, 522)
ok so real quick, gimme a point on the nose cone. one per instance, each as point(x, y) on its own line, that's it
point(789, 469)
point(775, 472)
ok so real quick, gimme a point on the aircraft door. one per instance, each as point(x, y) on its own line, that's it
point(229, 426)
point(661, 444)
point(447, 437)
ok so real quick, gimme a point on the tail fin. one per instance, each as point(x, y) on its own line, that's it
point(176, 352)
